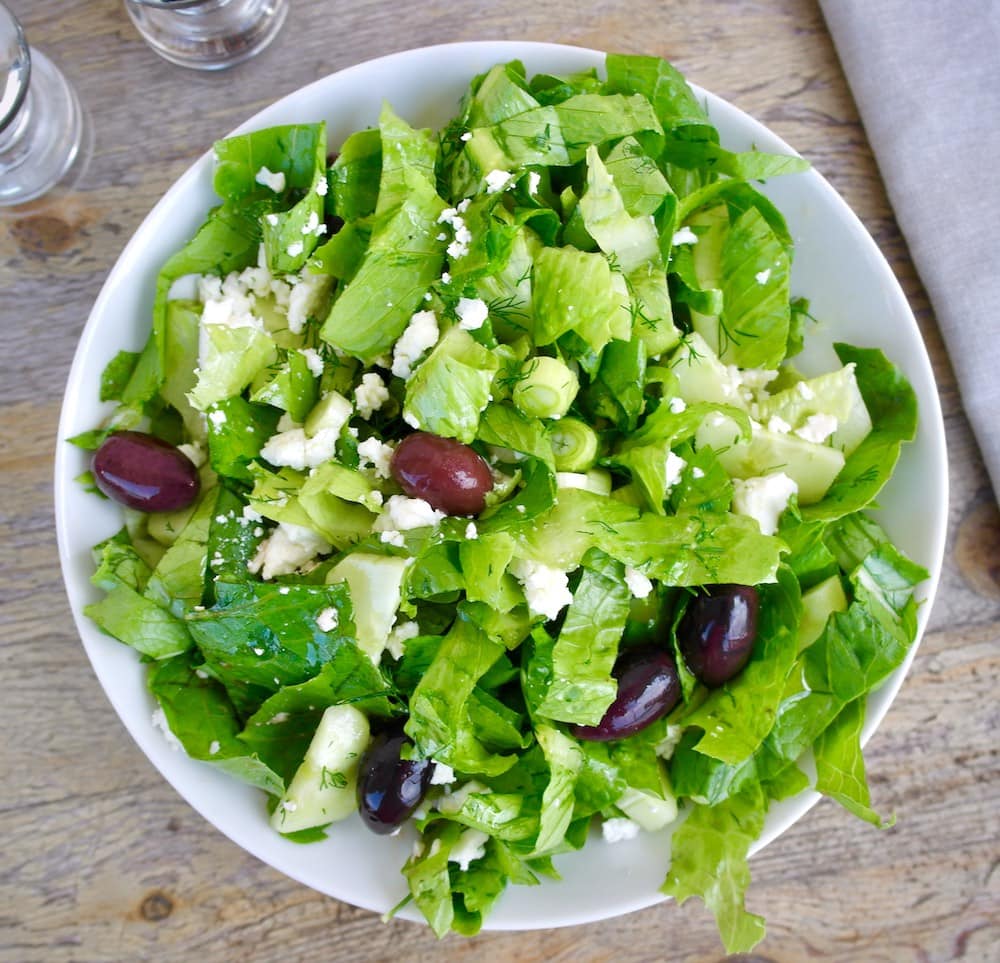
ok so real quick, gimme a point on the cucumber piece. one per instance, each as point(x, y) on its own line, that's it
point(324, 788)
point(813, 467)
point(375, 582)
point(835, 393)
point(701, 376)
point(818, 604)
point(331, 414)
point(711, 226)
point(596, 480)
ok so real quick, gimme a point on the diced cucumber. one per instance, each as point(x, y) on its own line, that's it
point(813, 467)
point(324, 788)
point(711, 227)
point(701, 376)
point(375, 582)
point(818, 604)
point(332, 412)
point(596, 480)
point(835, 393)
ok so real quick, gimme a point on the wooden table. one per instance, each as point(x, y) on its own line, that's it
point(101, 860)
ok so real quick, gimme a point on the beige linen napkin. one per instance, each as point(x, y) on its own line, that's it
point(926, 78)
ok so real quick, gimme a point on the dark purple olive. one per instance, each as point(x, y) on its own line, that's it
point(390, 788)
point(717, 632)
point(143, 472)
point(648, 688)
point(452, 477)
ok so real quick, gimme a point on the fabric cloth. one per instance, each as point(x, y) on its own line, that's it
point(926, 78)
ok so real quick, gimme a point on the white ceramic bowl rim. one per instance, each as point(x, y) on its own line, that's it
point(856, 290)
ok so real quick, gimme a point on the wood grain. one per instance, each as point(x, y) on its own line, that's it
point(100, 859)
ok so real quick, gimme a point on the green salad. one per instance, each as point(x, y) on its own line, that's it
point(473, 428)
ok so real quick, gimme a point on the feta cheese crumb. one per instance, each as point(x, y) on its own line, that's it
point(442, 775)
point(273, 180)
point(778, 424)
point(675, 465)
point(322, 186)
point(311, 225)
point(420, 335)
point(617, 830)
point(217, 417)
point(684, 236)
point(392, 538)
point(697, 472)
point(545, 588)
point(295, 249)
point(471, 532)
point(472, 313)
point(286, 550)
point(370, 395)
point(401, 634)
point(817, 428)
point(761, 277)
point(313, 361)
point(467, 136)
point(160, 721)
point(678, 405)
point(214, 747)
point(258, 651)
point(534, 182)
point(497, 181)
point(328, 619)
point(272, 219)
point(638, 584)
point(763, 498)
point(401, 514)
point(376, 454)
point(469, 847)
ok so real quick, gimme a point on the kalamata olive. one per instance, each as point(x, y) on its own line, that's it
point(390, 788)
point(717, 632)
point(452, 477)
point(648, 688)
point(143, 472)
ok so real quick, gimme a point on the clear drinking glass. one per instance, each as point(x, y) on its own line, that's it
point(41, 123)
point(207, 34)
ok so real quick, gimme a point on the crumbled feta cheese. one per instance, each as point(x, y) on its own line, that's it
point(401, 634)
point(258, 651)
point(217, 417)
point(471, 532)
point(273, 180)
point(684, 236)
point(295, 449)
point(470, 846)
point(314, 362)
point(472, 313)
point(805, 391)
point(278, 718)
point(617, 830)
point(401, 514)
point(453, 801)
point(442, 774)
point(545, 588)
point(272, 219)
point(370, 395)
point(376, 454)
point(463, 236)
point(817, 428)
point(392, 538)
point(420, 335)
point(534, 182)
point(677, 405)
point(311, 225)
point(697, 472)
point(778, 424)
point(322, 186)
point(496, 181)
point(638, 584)
point(763, 498)
point(286, 550)
point(666, 746)
point(761, 277)
point(214, 747)
point(160, 721)
point(305, 298)
point(328, 619)
point(467, 136)
point(675, 465)
point(295, 249)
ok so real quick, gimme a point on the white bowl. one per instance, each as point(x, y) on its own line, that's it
point(837, 266)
